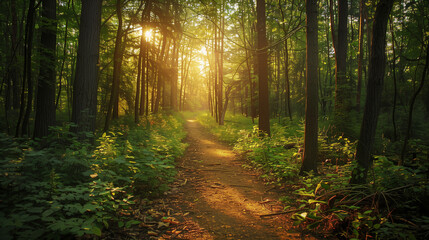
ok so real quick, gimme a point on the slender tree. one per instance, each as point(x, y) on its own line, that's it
point(360, 54)
point(309, 162)
point(25, 110)
point(113, 107)
point(262, 56)
point(342, 95)
point(140, 76)
point(377, 65)
point(410, 111)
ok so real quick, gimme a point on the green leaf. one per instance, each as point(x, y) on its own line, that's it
point(47, 212)
point(35, 210)
point(131, 222)
point(367, 212)
point(310, 201)
point(341, 215)
point(121, 224)
point(96, 230)
point(88, 207)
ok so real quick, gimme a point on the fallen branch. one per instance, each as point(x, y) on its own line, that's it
point(279, 213)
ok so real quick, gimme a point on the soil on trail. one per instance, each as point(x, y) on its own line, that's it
point(218, 199)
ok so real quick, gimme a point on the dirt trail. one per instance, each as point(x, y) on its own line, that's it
point(218, 199)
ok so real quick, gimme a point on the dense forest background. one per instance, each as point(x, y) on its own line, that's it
point(85, 81)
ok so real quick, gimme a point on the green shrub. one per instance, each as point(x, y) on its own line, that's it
point(62, 187)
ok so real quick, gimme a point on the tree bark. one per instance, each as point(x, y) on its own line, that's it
point(21, 127)
point(395, 88)
point(262, 56)
point(410, 113)
point(310, 156)
point(45, 102)
point(161, 75)
point(24, 113)
point(60, 77)
point(139, 77)
point(220, 66)
point(377, 65)
point(15, 69)
point(113, 107)
point(360, 55)
point(342, 101)
point(85, 85)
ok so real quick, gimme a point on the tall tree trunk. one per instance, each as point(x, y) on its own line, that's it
point(85, 85)
point(139, 77)
point(216, 73)
point(342, 102)
point(360, 54)
point(174, 78)
point(145, 48)
point(374, 90)
point(395, 90)
point(64, 59)
point(220, 65)
point(45, 102)
point(24, 113)
point(15, 69)
point(161, 75)
point(113, 108)
point(410, 113)
point(144, 89)
point(288, 107)
point(264, 105)
point(311, 131)
point(328, 78)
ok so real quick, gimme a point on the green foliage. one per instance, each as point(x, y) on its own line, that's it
point(381, 209)
point(71, 188)
point(277, 155)
point(230, 132)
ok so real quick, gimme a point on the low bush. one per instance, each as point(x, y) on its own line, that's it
point(71, 188)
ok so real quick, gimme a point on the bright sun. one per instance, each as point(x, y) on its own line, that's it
point(148, 34)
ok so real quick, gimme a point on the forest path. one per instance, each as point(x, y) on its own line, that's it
point(219, 199)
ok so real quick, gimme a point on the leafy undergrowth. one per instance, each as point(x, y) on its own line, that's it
point(72, 188)
point(392, 206)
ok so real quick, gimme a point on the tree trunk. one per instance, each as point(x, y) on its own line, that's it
point(410, 113)
point(15, 69)
point(139, 77)
point(374, 90)
point(24, 114)
point(64, 59)
point(342, 102)
point(289, 111)
point(85, 85)
point(395, 88)
point(262, 56)
point(360, 55)
point(220, 65)
point(113, 107)
point(174, 78)
point(310, 156)
point(161, 75)
point(45, 102)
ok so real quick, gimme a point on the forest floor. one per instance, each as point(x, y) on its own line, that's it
point(214, 197)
